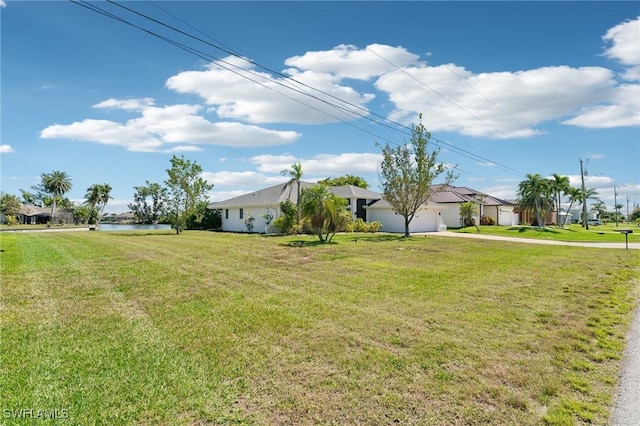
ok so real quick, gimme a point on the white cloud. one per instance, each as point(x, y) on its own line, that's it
point(225, 195)
point(323, 164)
point(126, 104)
point(347, 61)
point(623, 109)
point(597, 156)
point(257, 97)
point(504, 192)
point(591, 181)
point(625, 47)
point(242, 179)
point(2, 3)
point(6, 149)
point(519, 101)
point(158, 126)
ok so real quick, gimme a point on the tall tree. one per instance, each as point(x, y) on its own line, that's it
point(345, 180)
point(585, 196)
point(559, 186)
point(295, 174)
point(97, 197)
point(186, 189)
point(535, 193)
point(143, 211)
point(324, 210)
point(407, 172)
point(56, 184)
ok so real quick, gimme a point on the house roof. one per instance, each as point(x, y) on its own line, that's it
point(384, 204)
point(271, 196)
point(351, 191)
point(462, 194)
point(29, 210)
point(274, 195)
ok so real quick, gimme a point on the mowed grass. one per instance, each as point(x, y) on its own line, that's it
point(574, 233)
point(206, 328)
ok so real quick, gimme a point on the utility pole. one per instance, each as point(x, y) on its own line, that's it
point(585, 223)
point(627, 209)
point(615, 204)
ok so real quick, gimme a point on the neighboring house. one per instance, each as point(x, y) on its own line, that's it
point(32, 215)
point(502, 211)
point(527, 216)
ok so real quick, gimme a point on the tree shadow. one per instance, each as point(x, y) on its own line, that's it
point(523, 229)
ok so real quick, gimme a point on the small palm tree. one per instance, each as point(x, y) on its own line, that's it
point(324, 210)
point(97, 197)
point(535, 193)
point(559, 185)
point(575, 195)
point(56, 183)
point(295, 173)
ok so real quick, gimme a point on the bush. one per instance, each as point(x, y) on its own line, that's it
point(360, 225)
point(487, 221)
point(286, 222)
point(12, 220)
point(248, 222)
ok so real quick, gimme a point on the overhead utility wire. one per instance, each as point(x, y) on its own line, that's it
point(230, 67)
point(231, 51)
point(200, 54)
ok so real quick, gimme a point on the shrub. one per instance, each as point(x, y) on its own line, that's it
point(487, 221)
point(360, 225)
point(286, 222)
point(248, 222)
point(12, 220)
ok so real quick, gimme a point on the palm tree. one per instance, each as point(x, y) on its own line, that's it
point(57, 184)
point(295, 173)
point(325, 211)
point(98, 196)
point(575, 195)
point(534, 193)
point(559, 185)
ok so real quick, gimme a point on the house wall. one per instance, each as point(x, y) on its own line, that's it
point(451, 216)
point(503, 215)
point(235, 224)
point(425, 220)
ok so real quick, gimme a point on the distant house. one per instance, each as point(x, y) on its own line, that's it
point(502, 211)
point(32, 215)
point(124, 217)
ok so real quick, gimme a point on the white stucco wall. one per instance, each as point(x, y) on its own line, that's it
point(235, 224)
point(425, 220)
point(451, 216)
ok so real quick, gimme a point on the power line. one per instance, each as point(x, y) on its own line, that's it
point(353, 111)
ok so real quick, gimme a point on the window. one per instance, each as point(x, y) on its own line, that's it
point(226, 213)
point(241, 213)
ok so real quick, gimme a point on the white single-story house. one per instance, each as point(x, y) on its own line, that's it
point(265, 203)
point(442, 210)
point(502, 211)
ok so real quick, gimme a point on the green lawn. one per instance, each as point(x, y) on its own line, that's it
point(205, 328)
point(596, 234)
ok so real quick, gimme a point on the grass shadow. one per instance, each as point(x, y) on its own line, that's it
point(306, 243)
point(523, 229)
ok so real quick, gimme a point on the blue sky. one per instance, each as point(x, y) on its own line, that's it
point(509, 88)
